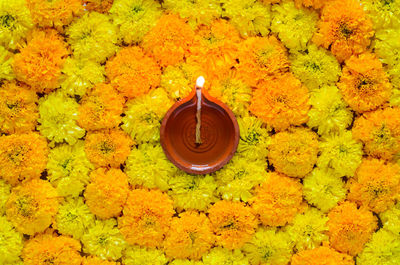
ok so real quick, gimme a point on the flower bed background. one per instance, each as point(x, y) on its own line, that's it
point(314, 85)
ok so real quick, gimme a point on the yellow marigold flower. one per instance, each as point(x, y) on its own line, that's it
point(329, 114)
point(143, 116)
point(364, 84)
point(68, 169)
point(73, 218)
point(320, 256)
point(80, 74)
point(250, 17)
point(233, 92)
point(18, 109)
point(190, 236)
point(376, 185)
point(383, 249)
point(215, 49)
point(308, 230)
point(197, 12)
point(169, 40)
point(22, 157)
point(49, 248)
point(315, 67)
point(101, 108)
point(92, 260)
point(317, 4)
point(58, 115)
point(383, 13)
point(5, 191)
point(341, 153)
point(148, 166)
point(219, 255)
point(233, 223)
point(178, 81)
point(32, 206)
point(395, 98)
point(350, 228)
point(260, 58)
point(190, 192)
point(270, 1)
point(134, 18)
point(268, 246)
point(294, 26)
point(104, 240)
point(185, 262)
point(254, 139)
point(146, 217)
point(39, 63)
point(391, 219)
point(237, 179)
point(15, 22)
point(344, 28)
point(387, 46)
point(281, 102)
point(93, 37)
point(107, 147)
point(107, 192)
point(132, 72)
point(6, 64)
point(101, 6)
point(55, 14)
point(10, 242)
point(380, 132)
point(277, 200)
point(324, 189)
point(294, 152)
point(142, 256)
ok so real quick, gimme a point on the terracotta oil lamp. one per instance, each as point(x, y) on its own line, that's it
point(199, 134)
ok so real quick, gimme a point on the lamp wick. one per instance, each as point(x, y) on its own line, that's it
point(199, 86)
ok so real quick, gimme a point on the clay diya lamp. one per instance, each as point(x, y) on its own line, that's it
point(199, 134)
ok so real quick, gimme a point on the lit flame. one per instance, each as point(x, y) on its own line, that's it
point(200, 81)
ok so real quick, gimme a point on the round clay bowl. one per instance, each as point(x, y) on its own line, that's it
point(219, 135)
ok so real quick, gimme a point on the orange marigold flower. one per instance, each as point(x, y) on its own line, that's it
point(107, 192)
point(40, 62)
point(350, 228)
point(344, 28)
point(311, 3)
point(364, 84)
point(22, 157)
point(56, 13)
point(380, 132)
point(215, 49)
point(281, 102)
point(101, 108)
point(189, 237)
point(49, 248)
point(294, 152)
point(278, 200)
point(107, 147)
point(132, 72)
point(18, 108)
point(323, 255)
point(376, 185)
point(260, 58)
point(169, 40)
point(32, 206)
point(101, 6)
point(233, 223)
point(146, 217)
